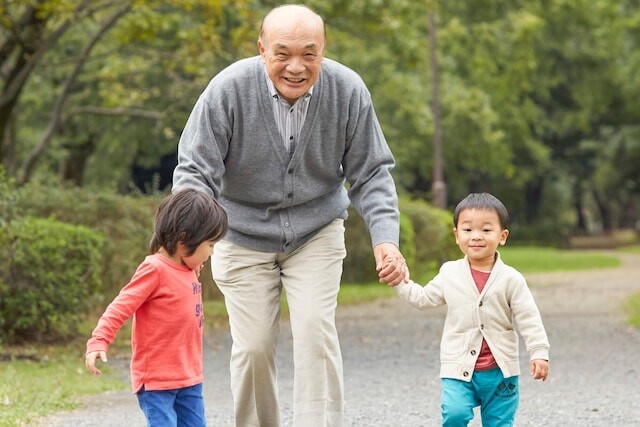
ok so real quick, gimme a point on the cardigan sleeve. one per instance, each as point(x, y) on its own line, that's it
point(529, 321)
point(422, 297)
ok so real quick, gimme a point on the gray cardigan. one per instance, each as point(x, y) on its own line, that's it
point(231, 147)
point(493, 314)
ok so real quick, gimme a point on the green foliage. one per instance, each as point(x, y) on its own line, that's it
point(40, 381)
point(8, 199)
point(126, 221)
point(359, 265)
point(51, 273)
point(426, 241)
point(540, 259)
point(633, 308)
point(407, 238)
point(433, 236)
point(533, 94)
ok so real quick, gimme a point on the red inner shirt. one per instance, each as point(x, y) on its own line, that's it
point(485, 360)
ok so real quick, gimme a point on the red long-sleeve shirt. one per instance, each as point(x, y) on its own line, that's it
point(165, 300)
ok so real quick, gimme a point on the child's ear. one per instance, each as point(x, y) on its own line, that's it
point(181, 248)
point(503, 237)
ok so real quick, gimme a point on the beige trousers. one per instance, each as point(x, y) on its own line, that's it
point(252, 283)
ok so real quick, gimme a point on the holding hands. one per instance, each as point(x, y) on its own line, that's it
point(390, 264)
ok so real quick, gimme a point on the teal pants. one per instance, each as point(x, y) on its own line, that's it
point(497, 397)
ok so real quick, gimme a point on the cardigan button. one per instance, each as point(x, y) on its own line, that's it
point(473, 352)
point(480, 304)
point(465, 374)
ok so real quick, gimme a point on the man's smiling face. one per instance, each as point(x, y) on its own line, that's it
point(292, 49)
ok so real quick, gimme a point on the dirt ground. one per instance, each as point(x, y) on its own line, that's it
point(390, 356)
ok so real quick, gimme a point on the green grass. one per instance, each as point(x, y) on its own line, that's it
point(351, 293)
point(633, 309)
point(630, 249)
point(533, 260)
point(55, 380)
point(58, 380)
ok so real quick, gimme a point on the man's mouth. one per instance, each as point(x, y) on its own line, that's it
point(294, 80)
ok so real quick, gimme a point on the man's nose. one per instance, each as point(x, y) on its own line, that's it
point(295, 65)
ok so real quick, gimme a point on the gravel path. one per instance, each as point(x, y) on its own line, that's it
point(390, 356)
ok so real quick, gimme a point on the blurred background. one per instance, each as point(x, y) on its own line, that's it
point(534, 101)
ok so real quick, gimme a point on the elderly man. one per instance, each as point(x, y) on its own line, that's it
point(274, 138)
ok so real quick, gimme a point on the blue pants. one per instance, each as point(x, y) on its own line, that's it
point(181, 407)
point(497, 397)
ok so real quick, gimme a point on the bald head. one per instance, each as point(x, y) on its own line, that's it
point(295, 18)
point(291, 45)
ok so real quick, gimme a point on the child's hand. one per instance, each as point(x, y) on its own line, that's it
point(90, 361)
point(539, 369)
point(390, 264)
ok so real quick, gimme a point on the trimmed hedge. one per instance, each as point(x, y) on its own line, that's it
point(126, 224)
point(125, 221)
point(49, 279)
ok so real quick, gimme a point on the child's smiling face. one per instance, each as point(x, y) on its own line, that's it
point(478, 234)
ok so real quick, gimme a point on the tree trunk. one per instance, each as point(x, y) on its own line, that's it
point(581, 223)
point(533, 197)
point(439, 187)
point(604, 210)
point(73, 167)
point(19, 47)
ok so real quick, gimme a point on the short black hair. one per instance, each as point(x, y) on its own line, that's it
point(188, 216)
point(482, 201)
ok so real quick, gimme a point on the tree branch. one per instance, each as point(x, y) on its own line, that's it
point(56, 118)
point(120, 111)
point(20, 73)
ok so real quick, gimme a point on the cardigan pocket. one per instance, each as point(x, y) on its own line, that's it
point(454, 345)
point(505, 343)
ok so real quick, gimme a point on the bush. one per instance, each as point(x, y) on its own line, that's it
point(8, 200)
point(545, 232)
point(426, 241)
point(49, 277)
point(125, 221)
point(359, 265)
point(433, 236)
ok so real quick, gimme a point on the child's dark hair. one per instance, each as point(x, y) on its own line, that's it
point(482, 201)
point(188, 216)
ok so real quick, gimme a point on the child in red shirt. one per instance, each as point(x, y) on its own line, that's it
point(164, 297)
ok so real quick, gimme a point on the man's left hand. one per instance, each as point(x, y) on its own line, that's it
point(390, 264)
